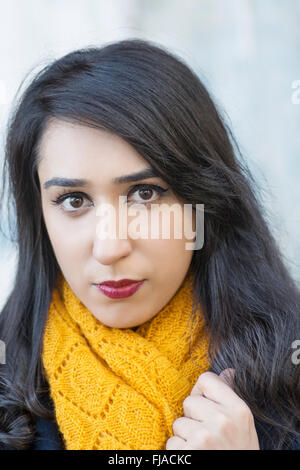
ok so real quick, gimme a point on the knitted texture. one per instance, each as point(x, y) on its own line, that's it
point(118, 389)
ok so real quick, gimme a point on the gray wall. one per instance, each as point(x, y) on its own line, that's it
point(246, 51)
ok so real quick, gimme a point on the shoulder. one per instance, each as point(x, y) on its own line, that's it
point(48, 436)
point(47, 433)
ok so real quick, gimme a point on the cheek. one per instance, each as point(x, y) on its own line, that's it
point(166, 255)
point(175, 222)
point(169, 246)
point(68, 240)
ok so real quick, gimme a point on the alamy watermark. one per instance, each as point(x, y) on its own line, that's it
point(296, 354)
point(159, 225)
point(2, 352)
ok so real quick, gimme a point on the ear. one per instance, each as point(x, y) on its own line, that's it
point(227, 375)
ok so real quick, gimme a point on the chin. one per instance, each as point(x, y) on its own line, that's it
point(120, 326)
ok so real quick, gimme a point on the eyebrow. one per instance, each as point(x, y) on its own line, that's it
point(74, 182)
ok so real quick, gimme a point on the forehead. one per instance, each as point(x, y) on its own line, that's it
point(74, 149)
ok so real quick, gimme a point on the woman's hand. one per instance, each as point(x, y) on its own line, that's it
point(214, 417)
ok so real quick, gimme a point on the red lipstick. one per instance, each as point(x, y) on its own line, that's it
point(119, 289)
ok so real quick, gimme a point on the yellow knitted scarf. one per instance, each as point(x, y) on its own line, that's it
point(119, 389)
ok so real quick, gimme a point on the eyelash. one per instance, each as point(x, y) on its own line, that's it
point(63, 197)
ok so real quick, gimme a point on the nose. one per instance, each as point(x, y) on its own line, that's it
point(108, 249)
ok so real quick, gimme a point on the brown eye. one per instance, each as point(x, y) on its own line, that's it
point(71, 203)
point(145, 192)
point(75, 202)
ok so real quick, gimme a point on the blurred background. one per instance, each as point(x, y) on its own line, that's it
point(247, 53)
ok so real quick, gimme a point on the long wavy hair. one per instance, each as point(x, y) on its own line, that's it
point(150, 98)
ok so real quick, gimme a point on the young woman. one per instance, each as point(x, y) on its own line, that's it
point(138, 342)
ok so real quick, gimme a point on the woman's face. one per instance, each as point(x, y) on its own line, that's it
point(73, 151)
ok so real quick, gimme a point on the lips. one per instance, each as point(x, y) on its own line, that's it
point(119, 289)
point(121, 283)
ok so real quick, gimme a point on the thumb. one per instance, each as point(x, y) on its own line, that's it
point(227, 375)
